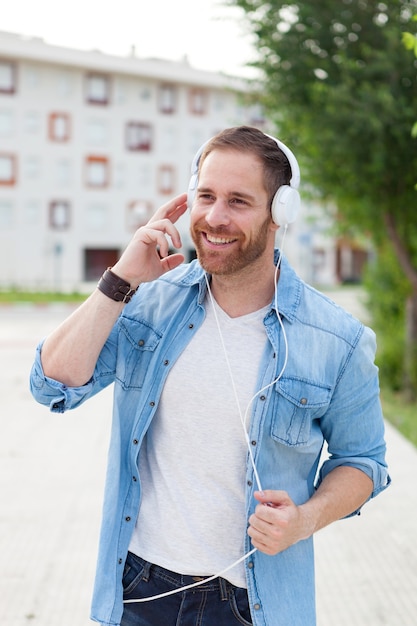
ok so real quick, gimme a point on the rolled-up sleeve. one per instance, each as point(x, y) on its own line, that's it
point(59, 397)
point(354, 426)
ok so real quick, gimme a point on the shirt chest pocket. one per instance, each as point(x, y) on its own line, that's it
point(296, 403)
point(137, 346)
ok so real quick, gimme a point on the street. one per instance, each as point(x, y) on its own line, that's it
point(51, 485)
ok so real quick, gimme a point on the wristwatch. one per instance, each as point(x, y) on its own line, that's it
point(115, 287)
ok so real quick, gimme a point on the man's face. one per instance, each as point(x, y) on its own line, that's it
point(231, 225)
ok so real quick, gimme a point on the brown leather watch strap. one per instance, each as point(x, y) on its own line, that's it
point(115, 287)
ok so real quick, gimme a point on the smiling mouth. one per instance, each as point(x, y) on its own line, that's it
point(219, 241)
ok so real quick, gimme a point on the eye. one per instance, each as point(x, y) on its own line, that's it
point(239, 201)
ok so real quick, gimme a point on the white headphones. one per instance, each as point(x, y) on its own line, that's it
point(286, 202)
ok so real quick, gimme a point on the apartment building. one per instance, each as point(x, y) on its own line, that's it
point(90, 145)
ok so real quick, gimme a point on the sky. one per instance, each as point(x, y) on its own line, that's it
point(213, 36)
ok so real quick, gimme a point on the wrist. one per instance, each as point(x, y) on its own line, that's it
point(115, 287)
point(309, 523)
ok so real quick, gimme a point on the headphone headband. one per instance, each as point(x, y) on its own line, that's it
point(286, 202)
point(295, 169)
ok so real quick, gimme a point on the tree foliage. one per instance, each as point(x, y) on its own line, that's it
point(341, 87)
point(410, 42)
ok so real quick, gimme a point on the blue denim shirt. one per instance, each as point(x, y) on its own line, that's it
point(329, 392)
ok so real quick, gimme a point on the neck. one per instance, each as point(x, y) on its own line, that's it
point(241, 295)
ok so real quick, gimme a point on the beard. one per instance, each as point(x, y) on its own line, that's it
point(226, 262)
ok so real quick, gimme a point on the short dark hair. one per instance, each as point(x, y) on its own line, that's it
point(277, 169)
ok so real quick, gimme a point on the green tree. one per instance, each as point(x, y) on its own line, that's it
point(410, 42)
point(341, 87)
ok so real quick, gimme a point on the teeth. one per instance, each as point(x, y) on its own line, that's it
point(218, 240)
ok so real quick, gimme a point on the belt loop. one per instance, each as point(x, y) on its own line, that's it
point(224, 586)
point(146, 570)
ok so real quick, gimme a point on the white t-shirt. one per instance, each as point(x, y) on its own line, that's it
point(192, 466)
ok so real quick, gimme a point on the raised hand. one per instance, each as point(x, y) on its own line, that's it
point(146, 256)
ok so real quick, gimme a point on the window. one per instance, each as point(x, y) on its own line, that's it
point(120, 91)
point(7, 77)
point(166, 179)
point(32, 212)
point(59, 214)
point(145, 94)
point(32, 122)
point(169, 139)
point(120, 173)
point(167, 99)
point(32, 77)
point(98, 89)
point(97, 171)
point(138, 136)
point(6, 123)
point(95, 216)
point(144, 176)
point(138, 213)
point(64, 84)
point(97, 260)
point(7, 169)
point(63, 172)
point(6, 214)
point(59, 127)
point(198, 101)
point(96, 132)
point(32, 167)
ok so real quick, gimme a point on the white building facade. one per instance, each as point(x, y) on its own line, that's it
point(90, 146)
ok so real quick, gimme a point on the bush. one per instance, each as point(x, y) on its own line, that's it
point(387, 290)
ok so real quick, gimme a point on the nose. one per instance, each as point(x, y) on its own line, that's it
point(218, 214)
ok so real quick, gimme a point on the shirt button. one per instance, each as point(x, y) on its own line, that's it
point(262, 398)
point(250, 565)
point(128, 518)
point(190, 326)
point(303, 401)
point(256, 606)
point(134, 479)
point(166, 362)
point(253, 442)
point(250, 483)
point(141, 342)
point(152, 403)
point(135, 442)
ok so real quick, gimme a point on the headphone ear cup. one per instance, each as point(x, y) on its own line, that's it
point(192, 188)
point(285, 205)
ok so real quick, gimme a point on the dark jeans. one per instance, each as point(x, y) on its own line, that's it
point(217, 603)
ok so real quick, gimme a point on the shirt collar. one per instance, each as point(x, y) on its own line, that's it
point(288, 293)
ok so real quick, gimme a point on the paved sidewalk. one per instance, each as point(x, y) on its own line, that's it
point(51, 483)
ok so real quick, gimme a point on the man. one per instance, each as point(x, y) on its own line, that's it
point(230, 373)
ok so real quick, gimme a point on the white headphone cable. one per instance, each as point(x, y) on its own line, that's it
point(243, 421)
point(197, 584)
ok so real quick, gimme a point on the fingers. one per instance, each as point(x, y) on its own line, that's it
point(268, 535)
point(269, 524)
point(155, 234)
point(147, 255)
point(164, 219)
point(274, 497)
point(171, 262)
point(172, 210)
